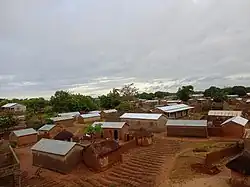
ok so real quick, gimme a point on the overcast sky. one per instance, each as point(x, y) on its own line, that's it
point(91, 46)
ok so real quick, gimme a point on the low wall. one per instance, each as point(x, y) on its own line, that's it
point(214, 131)
point(216, 156)
point(127, 146)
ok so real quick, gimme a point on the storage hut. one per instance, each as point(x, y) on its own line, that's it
point(102, 155)
point(23, 136)
point(50, 130)
point(240, 169)
point(219, 116)
point(65, 121)
point(187, 128)
point(109, 115)
point(234, 127)
point(114, 130)
point(175, 111)
point(149, 121)
point(64, 136)
point(89, 118)
point(143, 137)
point(56, 155)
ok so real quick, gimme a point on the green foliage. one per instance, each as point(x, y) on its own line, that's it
point(111, 100)
point(125, 106)
point(8, 120)
point(128, 92)
point(217, 94)
point(185, 92)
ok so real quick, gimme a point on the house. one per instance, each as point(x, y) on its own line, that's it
point(149, 121)
point(64, 136)
point(187, 128)
point(9, 167)
point(114, 130)
point(143, 137)
point(196, 96)
point(72, 114)
point(23, 136)
point(15, 107)
point(101, 155)
point(56, 155)
point(240, 169)
point(217, 117)
point(234, 127)
point(109, 115)
point(49, 129)
point(174, 111)
point(65, 121)
point(89, 118)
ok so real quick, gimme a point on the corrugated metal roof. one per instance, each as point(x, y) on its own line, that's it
point(46, 127)
point(53, 146)
point(233, 96)
point(111, 125)
point(237, 119)
point(174, 101)
point(61, 118)
point(175, 108)
point(196, 123)
point(141, 116)
point(90, 115)
point(24, 132)
point(95, 111)
point(224, 113)
point(9, 105)
point(110, 111)
point(73, 114)
point(248, 101)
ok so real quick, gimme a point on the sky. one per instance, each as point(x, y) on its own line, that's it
point(90, 47)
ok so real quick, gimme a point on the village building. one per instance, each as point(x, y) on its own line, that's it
point(234, 127)
point(59, 156)
point(187, 128)
point(240, 169)
point(143, 137)
point(23, 137)
point(15, 107)
point(89, 118)
point(65, 121)
point(149, 121)
point(50, 130)
point(217, 117)
point(114, 130)
point(173, 102)
point(10, 173)
point(64, 136)
point(102, 155)
point(71, 114)
point(174, 111)
point(196, 96)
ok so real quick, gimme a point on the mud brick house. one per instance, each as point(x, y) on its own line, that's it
point(10, 173)
point(143, 137)
point(217, 117)
point(102, 155)
point(15, 107)
point(56, 155)
point(187, 128)
point(72, 114)
point(234, 127)
point(65, 121)
point(174, 111)
point(240, 169)
point(114, 130)
point(64, 136)
point(23, 137)
point(89, 118)
point(148, 121)
point(50, 130)
point(109, 115)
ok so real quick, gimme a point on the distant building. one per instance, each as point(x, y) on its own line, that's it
point(65, 121)
point(217, 117)
point(187, 128)
point(113, 130)
point(56, 155)
point(23, 136)
point(15, 107)
point(174, 111)
point(148, 121)
point(89, 118)
point(70, 114)
point(49, 129)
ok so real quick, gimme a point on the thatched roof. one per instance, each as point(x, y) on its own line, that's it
point(64, 135)
point(105, 147)
point(240, 164)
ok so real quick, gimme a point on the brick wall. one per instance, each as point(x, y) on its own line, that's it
point(214, 131)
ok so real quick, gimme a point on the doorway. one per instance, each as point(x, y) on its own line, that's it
point(116, 134)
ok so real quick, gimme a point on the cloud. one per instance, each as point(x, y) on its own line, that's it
point(92, 46)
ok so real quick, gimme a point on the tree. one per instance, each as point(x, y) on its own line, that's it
point(111, 100)
point(239, 90)
point(61, 101)
point(8, 120)
point(92, 130)
point(144, 95)
point(217, 94)
point(185, 92)
point(125, 106)
point(128, 92)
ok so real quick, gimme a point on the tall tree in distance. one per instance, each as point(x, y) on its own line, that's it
point(185, 92)
point(128, 92)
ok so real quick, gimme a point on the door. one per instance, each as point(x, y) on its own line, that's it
point(116, 134)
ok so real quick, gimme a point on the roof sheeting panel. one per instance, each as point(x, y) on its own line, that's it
point(141, 116)
point(111, 125)
point(9, 105)
point(238, 120)
point(110, 111)
point(24, 132)
point(92, 115)
point(56, 147)
point(224, 113)
point(194, 123)
point(175, 108)
point(46, 127)
point(73, 114)
point(55, 119)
